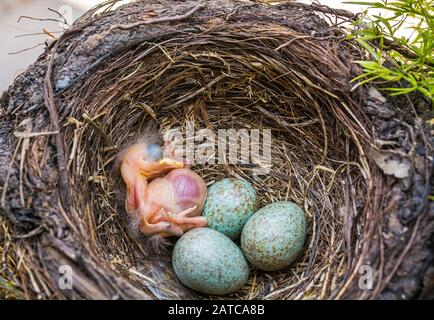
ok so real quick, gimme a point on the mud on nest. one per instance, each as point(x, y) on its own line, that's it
point(220, 65)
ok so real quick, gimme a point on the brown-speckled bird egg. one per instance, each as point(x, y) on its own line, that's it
point(229, 204)
point(274, 236)
point(207, 261)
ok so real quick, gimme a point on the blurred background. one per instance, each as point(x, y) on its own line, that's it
point(28, 34)
point(23, 40)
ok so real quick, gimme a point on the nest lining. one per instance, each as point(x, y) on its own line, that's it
point(217, 73)
point(234, 78)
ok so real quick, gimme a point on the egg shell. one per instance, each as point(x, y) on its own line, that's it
point(229, 204)
point(207, 261)
point(274, 236)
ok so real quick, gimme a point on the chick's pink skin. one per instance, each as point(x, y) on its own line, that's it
point(178, 198)
point(167, 205)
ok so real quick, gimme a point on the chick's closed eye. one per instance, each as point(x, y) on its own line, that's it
point(154, 152)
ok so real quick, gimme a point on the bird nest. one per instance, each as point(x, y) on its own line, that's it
point(346, 157)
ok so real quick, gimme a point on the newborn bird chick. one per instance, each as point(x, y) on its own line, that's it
point(177, 198)
point(167, 205)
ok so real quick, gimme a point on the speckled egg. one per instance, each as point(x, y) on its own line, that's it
point(207, 261)
point(229, 204)
point(274, 236)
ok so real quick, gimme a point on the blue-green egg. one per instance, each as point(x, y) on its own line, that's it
point(207, 261)
point(229, 204)
point(274, 236)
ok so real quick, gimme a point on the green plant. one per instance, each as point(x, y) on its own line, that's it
point(400, 41)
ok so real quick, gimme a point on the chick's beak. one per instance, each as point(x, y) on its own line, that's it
point(171, 163)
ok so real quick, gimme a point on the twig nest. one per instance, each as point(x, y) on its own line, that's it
point(228, 206)
point(231, 65)
point(207, 261)
point(272, 238)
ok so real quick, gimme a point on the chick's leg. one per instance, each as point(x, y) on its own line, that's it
point(162, 228)
point(183, 221)
point(187, 223)
point(136, 203)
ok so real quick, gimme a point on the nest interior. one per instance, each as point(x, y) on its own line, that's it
point(206, 80)
point(212, 67)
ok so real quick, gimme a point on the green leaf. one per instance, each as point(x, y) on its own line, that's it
point(375, 54)
point(370, 65)
point(398, 91)
point(372, 31)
